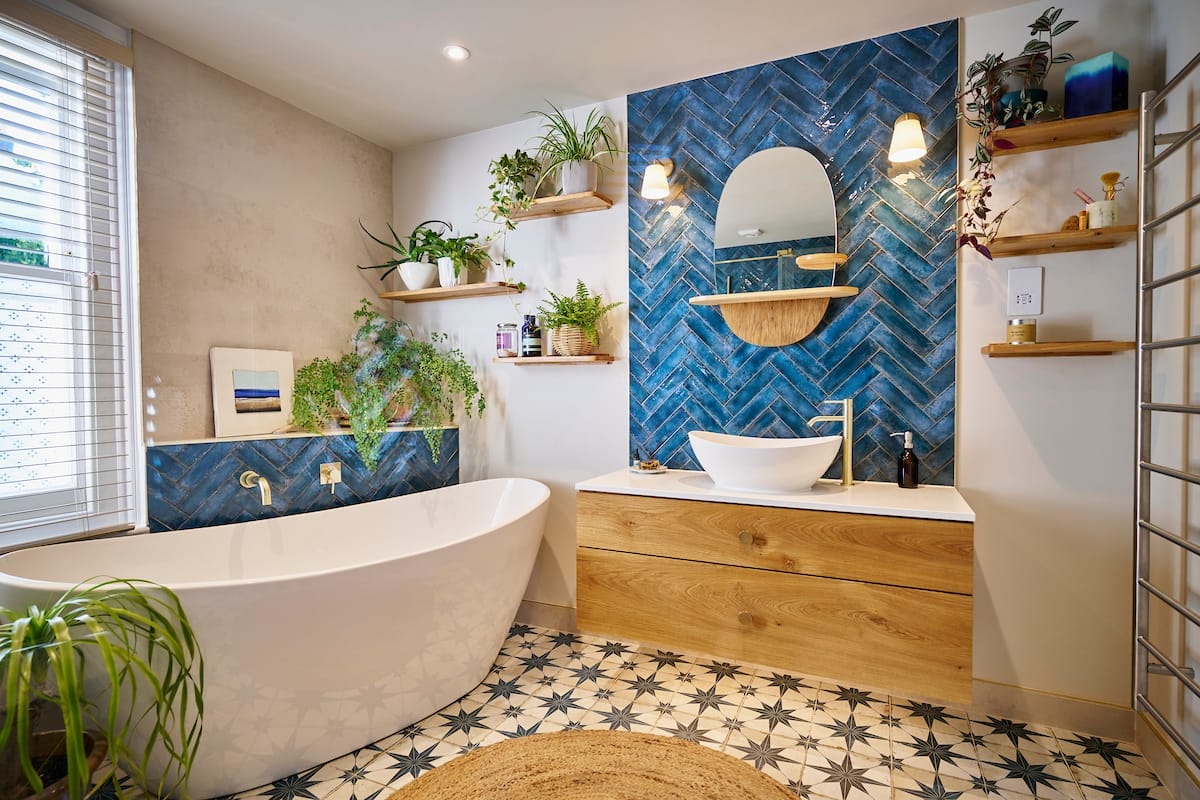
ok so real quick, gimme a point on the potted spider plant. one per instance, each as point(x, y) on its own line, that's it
point(572, 320)
point(142, 698)
point(514, 179)
point(411, 254)
point(573, 151)
point(391, 376)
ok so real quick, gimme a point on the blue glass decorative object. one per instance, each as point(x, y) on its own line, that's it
point(1097, 86)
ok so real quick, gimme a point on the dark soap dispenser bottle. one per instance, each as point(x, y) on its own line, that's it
point(906, 464)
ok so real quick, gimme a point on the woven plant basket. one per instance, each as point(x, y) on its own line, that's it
point(571, 341)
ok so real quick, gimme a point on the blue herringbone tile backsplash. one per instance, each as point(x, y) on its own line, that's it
point(891, 347)
point(195, 485)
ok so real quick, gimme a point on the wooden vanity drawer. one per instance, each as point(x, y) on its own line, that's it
point(905, 640)
point(899, 551)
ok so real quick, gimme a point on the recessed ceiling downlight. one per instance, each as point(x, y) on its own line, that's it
point(456, 52)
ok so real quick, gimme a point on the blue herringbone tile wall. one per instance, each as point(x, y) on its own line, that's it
point(891, 347)
point(195, 485)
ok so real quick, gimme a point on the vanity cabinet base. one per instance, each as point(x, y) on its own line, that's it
point(901, 638)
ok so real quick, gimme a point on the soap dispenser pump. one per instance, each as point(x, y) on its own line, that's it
point(906, 464)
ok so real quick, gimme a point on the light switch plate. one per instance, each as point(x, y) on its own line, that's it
point(1025, 292)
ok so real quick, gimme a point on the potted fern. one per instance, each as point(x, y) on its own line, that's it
point(573, 151)
point(142, 697)
point(572, 320)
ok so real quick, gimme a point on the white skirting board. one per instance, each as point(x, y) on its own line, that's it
point(1170, 767)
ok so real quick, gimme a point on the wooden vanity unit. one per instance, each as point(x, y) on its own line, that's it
point(869, 598)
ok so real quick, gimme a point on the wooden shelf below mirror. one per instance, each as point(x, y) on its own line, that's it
point(545, 361)
point(563, 204)
point(1063, 241)
point(1065, 132)
point(452, 292)
point(1055, 349)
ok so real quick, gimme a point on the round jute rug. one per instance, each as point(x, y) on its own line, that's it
point(594, 765)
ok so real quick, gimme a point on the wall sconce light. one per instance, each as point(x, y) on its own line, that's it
point(654, 183)
point(908, 140)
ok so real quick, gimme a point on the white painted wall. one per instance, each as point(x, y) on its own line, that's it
point(558, 424)
point(1045, 447)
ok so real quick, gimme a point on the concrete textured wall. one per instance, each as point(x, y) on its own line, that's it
point(248, 236)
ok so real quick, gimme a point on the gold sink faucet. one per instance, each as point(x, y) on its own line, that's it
point(847, 420)
point(250, 478)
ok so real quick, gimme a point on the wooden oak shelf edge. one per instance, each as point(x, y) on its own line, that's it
point(1065, 132)
point(1055, 349)
point(1062, 241)
point(543, 361)
point(452, 292)
point(563, 204)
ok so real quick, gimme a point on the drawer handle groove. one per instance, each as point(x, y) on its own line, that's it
point(745, 617)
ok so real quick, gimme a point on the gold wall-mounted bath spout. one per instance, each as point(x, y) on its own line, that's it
point(249, 479)
point(847, 420)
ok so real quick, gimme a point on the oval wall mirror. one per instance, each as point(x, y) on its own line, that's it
point(776, 205)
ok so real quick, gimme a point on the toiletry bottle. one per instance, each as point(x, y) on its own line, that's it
point(906, 464)
point(531, 337)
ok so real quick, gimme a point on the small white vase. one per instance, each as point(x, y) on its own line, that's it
point(578, 176)
point(418, 274)
point(446, 276)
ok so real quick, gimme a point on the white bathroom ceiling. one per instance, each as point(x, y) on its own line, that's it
point(374, 67)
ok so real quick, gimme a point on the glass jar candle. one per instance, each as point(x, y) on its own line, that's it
point(1022, 331)
point(506, 340)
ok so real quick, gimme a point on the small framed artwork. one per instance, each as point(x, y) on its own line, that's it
point(252, 390)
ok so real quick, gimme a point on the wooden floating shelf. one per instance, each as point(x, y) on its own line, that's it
point(1065, 132)
point(563, 204)
point(776, 318)
point(452, 292)
point(545, 361)
point(1062, 241)
point(1055, 349)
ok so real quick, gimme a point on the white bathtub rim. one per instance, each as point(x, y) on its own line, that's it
point(35, 584)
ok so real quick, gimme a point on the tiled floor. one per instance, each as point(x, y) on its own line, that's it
point(822, 740)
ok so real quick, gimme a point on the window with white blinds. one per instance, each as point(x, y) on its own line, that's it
point(70, 456)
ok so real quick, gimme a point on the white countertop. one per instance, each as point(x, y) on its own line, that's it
point(885, 499)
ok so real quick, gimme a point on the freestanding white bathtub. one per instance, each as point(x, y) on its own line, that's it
point(323, 632)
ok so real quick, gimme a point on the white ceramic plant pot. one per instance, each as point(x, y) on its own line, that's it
point(418, 274)
point(577, 176)
point(1102, 214)
point(446, 276)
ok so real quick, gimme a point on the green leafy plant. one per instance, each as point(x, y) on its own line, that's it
point(390, 374)
point(581, 310)
point(560, 141)
point(141, 654)
point(511, 174)
point(981, 108)
point(316, 390)
point(1032, 66)
point(467, 252)
point(417, 247)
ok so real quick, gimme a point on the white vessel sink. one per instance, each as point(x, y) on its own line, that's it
point(753, 464)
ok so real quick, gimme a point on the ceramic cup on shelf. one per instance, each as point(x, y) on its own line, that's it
point(1102, 214)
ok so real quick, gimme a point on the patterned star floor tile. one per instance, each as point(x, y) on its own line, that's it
point(825, 741)
point(785, 716)
point(911, 782)
point(855, 731)
point(845, 776)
